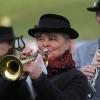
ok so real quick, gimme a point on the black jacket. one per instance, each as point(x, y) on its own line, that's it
point(16, 90)
point(70, 85)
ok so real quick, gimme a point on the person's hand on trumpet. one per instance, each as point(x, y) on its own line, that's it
point(34, 67)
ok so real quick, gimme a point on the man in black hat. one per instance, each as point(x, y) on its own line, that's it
point(6, 41)
point(87, 57)
point(10, 90)
point(62, 81)
point(96, 8)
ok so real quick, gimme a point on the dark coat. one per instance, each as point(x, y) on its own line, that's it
point(16, 90)
point(70, 85)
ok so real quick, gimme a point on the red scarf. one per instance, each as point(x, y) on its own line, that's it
point(60, 64)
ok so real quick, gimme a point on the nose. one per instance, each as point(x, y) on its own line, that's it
point(46, 43)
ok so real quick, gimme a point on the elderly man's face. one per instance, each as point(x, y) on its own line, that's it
point(98, 16)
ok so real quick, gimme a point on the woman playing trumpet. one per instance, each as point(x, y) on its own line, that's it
point(62, 81)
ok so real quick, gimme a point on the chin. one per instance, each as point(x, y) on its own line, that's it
point(51, 56)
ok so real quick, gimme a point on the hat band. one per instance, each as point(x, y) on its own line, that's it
point(52, 23)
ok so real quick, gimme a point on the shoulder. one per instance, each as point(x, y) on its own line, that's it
point(78, 78)
point(88, 45)
point(86, 48)
point(72, 78)
point(74, 75)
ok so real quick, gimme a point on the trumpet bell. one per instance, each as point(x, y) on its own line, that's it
point(11, 67)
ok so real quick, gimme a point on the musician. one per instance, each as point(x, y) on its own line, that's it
point(85, 54)
point(6, 41)
point(10, 90)
point(62, 81)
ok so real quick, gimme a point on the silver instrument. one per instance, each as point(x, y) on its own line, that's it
point(92, 81)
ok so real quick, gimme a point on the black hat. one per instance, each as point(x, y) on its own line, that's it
point(54, 23)
point(95, 7)
point(6, 33)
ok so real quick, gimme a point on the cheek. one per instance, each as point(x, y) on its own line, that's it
point(3, 51)
point(56, 51)
point(39, 45)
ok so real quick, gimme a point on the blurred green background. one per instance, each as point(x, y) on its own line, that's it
point(25, 14)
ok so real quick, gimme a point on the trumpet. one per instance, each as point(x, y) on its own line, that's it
point(11, 67)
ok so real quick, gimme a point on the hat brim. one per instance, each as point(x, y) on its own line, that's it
point(6, 38)
point(69, 31)
point(94, 9)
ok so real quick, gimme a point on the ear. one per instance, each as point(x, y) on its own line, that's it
point(68, 46)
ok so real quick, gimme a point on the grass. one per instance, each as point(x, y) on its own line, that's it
point(25, 14)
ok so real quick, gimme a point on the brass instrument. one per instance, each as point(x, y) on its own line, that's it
point(11, 67)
